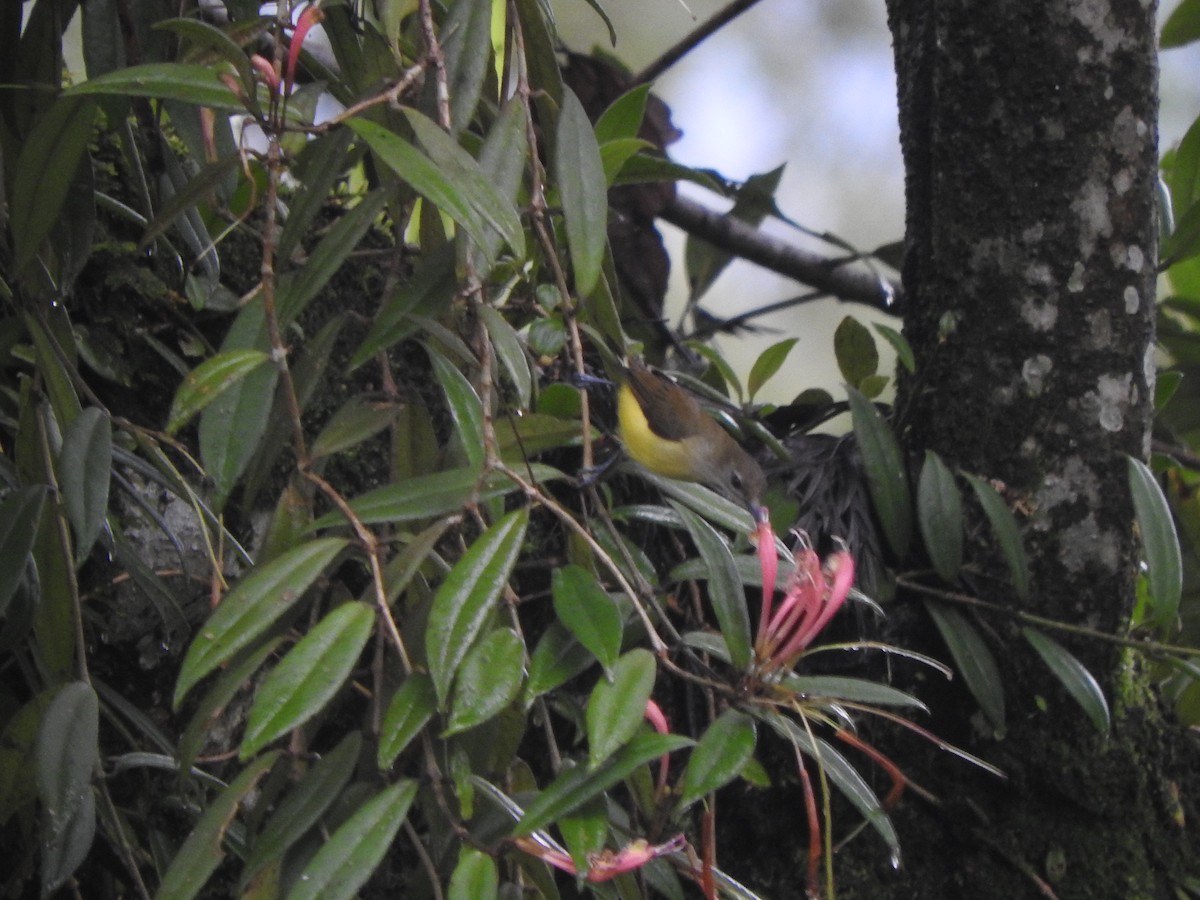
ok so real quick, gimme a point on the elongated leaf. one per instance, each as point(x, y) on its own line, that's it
point(465, 598)
point(309, 676)
point(768, 363)
point(616, 708)
point(85, 468)
point(557, 658)
point(575, 787)
point(253, 606)
point(19, 515)
point(887, 479)
point(201, 34)
point(304, 805)
point(345, 863)
point(973, 660)
point(835, 688)
point(358, 420)
point(467, 46)
point(475, 877)
point(511, 354)
point(579, 172)
point(412, 706)
point(588, 612)
point(208, 381)
point(1004, 526)
point(65, 757)
point(466, 410)
point(939, 514)
point(724, 590)
point(431, 495)
point(1182, 25)
point(201, 853)
point(200, 85)
point(901, 345)
point(1160, 543)
point(1074, 676)
point(623, 118)
point(44, 173)
point(488, 681)
point(724, 750)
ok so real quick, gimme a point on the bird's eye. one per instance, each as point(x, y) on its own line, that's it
point(735, 479)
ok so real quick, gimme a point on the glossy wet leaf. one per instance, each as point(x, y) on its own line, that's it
point(1160, 542)
point(557, 658)
point(887, 479)
point(1008, 534)
point(725, 748)
point(85, 468)
point(411, 707)
point(972, 659)
point(309, 676)
point(202, 852)
point(462, 401)
point(939, 515)
point(199, 85)
point(488, 681)
point(466, 597)
point(510, 353)
point(209, 380)
point(467, 47)
point(1074, 676)
point(304, 804)
point(724, 589)
point(65, 758)
point(253, 605)
point(617, 706)
point(579, 173)
point(588, 612)
point(347, 860)
point(576, 786)
point(835, 688)
point(475, 877)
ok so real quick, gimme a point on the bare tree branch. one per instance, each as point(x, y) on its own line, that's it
point(692, 40)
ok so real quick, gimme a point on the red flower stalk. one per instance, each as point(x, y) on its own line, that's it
point(812, 595)
point(605, 865)
point(311, 16)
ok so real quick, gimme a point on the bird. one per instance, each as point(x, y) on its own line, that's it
point(665, 429)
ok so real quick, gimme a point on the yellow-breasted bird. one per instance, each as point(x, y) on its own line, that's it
point(663, 427)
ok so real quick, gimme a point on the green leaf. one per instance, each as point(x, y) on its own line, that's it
point(510, 353)
point(311, 675)
point(466, 409)
point(85, 466)
point(579, 173)
point(724, 750)
point(973, 659)
point(476, 187)
point(576, 786)
point(44, 171)
point(318, 168)
point(904, 351)
point(475, 877)
point(557, 658)
point(488, 681)
point(616, 708)
point(199, 85)
point(303, 806)
point(857, 355)
point(587, 611)
point(201, 34)
point(837, 688)
point(412, 706)
point(358, 420)
point(1160, 542)
point(467, 48)
point(1074, 676)
point(209, 380)
point(252, 607)
point(344, 864)
point(65, 758)
point(433, 495)
point(1004, 526)
point(1182, 26)
point(886, 476)
point(623, 118)
point(615, 154)
point(465, 598)
point(724, 589)
point(201, 853)
point(939, 514)
point(768, 363)
point(19, 516)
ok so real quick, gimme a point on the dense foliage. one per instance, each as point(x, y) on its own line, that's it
point(308, 584)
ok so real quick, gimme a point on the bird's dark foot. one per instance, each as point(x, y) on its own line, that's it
point(586, 381)
point(589, 476)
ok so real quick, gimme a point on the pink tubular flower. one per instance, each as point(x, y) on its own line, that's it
point(605, 865)
point(812, 594)
point(658, 721)
point(311, 16)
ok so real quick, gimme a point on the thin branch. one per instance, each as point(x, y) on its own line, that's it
point(821, 272)
point(692, 40)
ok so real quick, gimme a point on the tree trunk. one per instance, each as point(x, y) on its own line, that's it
point(1029, 139)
